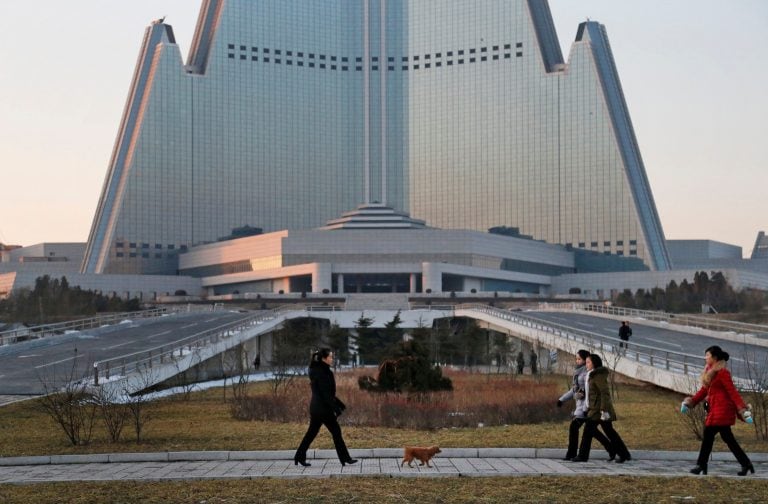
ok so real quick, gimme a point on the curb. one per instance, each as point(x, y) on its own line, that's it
point(480, 453)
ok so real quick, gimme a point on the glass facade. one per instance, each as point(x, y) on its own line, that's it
point(290, 112)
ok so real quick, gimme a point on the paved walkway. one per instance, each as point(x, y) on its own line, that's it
point(452, 462)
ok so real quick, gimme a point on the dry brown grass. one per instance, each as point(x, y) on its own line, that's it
point(648, 419)
point(596, 490)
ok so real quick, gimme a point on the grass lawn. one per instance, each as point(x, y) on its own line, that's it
point(648, 419)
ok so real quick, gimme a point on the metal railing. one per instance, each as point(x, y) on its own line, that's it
point(677, 362)
point(21, 334)
point(683, 319)
point(145, 360)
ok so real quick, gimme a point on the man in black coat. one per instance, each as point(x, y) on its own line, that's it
point(624, 333)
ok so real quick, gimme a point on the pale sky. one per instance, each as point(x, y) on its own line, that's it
point(694, 75)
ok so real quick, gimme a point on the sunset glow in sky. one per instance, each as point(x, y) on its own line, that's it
point(693, 73)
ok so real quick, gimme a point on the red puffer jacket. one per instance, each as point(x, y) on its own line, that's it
point(724, 400)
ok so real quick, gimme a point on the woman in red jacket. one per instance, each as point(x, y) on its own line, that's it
point(724, 404)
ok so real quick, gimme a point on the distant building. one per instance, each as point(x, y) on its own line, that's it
point(760, 251)
point(288, 113)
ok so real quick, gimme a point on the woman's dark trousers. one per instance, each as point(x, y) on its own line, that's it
point(333, 427)
point(727, 436)
point(573, 439)
point(616, 442)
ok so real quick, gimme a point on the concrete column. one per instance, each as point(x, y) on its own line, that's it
point(340, 282)
point(321, 277)
point(431, 277)
point(412, 289)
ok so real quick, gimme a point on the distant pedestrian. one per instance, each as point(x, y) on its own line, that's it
point(624, 333)
point(520, 362)
point(534, 362)
point(257, 361)
point(725, 404)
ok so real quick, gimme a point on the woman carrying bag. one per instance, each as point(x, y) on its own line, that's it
point(725, 404)
point(324, 407)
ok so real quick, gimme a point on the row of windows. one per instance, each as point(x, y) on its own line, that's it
point(145, 246)
point(619, 243)
point(375, 67)
point(143, 255)
point(459, 57)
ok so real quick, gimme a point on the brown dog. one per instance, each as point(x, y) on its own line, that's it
point(421, 453)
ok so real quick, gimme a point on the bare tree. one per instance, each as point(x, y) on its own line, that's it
point(694, 419)
point(138, 402)
point(188, 378)
point(756, 392)
point(114, 413)
point(71, 406)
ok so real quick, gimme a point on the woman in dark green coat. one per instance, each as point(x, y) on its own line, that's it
point(600, 412)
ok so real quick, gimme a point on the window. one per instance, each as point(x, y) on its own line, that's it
point(415, 67)
point(171, 246)
point(230, 46)
point(254, 58)
point(416, 58)
point(405, 58)
point(242, 48)
point(404, 68)
point(633, 242)
point(461, 62)
point(438, 55)
point(242, 56)
point(438, 64)
point(375, 58)
point(289, 53)
point(495, 56)
point(519, 44)
point(427, 65)
point(507, 46)
point(333, 58)
point(333, 67)
point(450, 62)
point(450, 53)
point(132, 245)
point(300, 55)
point(507, 56)
point(322, 66)
point(231, 56)
point(461, 51)
point(472, 60)
point(120, 254)
point(289, 62)
point(145, 255)
point(484, 58)
point(374, 67)
point(359, 68)
point(158, 256)
point(344, 59)
point(390, 68)
point(322, 56)
point(582, 245)
point(277, 60)
point(158, 246)
point(483, 49)
point(266, 60)
point(519, 54)
point(471, 51)
point(619, 243)
point(277, 51)
point(119, 244)
point(593, 244)
point(300, 63)
point(254, 49)
point(427, 56)
point(359, 59)
point(266, 51)
point(132, 254)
